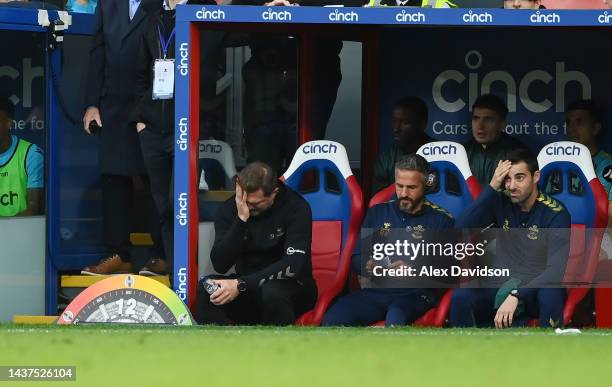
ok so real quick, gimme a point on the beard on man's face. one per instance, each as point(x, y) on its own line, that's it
point(407, 204)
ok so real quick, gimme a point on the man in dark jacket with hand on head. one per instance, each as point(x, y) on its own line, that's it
point(265, 230)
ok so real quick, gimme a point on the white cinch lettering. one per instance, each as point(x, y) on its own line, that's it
point(271, 15)
point(472, 17)
point(343, 16)
point(28, 74)
point(205, 14)
point(184, 59)
point(410, 17)
point(182, 140)
point(604, 18)
point(182, 215)
point(477, 86)
point(548, 18)
point(182, 288)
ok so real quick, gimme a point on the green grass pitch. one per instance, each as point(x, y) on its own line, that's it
point(315, 357)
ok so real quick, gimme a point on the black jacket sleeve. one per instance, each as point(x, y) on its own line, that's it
point(97, 61)
point(229, 237)
point(296, 250)
point(144, 81)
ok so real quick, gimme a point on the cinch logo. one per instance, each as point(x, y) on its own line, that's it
point(24, 75)
point(203, 14)
point(184, 59)
point(182, 287)
point(440, 150)
point(410, 17)
point(182, 141)
point(276, 15)
point(182, 215)
point(550, 18)
point(320, 148)
point(9, 199)
point(343, 16)
point(210, 148)
point(569, 150)
point(604, 18)
point(515, 87)
point(472, 17)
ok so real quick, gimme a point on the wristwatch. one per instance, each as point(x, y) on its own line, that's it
point(515, 293)
point(242, 285)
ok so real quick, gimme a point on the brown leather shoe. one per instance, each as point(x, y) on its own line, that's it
point(155, 266)
point(112, 264)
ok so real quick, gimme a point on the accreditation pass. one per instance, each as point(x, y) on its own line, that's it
point(163, 79)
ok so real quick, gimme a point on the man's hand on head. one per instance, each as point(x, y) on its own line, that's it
point(241, 203)
point(503, 167)
point(226, 293)
point(505, 313)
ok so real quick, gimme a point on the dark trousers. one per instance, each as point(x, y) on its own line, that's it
point(476, 307)
point(118, 201)
point(277, 302)
point(367, 306)
point(158, 153)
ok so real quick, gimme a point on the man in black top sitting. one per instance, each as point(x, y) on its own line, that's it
point(265, 230)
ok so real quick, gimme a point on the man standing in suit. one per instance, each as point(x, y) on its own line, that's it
point(110, 97)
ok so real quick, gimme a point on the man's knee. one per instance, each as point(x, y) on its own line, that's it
point(461, 312)
point(554, 297)
point(338, 315)
point(274, 292)
point(462, 298)
point(278, 308)
point(551, 303)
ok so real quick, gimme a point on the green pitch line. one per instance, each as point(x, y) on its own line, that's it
point(245, 356)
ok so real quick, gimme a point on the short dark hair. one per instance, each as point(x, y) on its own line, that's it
point(413, 162)
point(257, 175)
point(518, 155)
point(586, 104)
point(414, 104)
point(7, 106)
point(493, 102)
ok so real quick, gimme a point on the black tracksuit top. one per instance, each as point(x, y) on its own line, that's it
point(273, 245)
